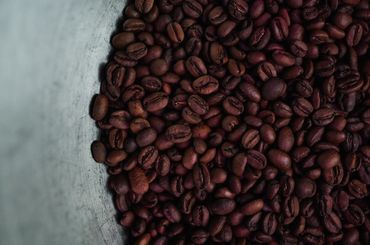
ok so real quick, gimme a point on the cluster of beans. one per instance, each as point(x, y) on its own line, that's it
point(239, 121)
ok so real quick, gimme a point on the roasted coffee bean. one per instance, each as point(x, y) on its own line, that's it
point(100, 107)
point(156, 101)
point(205, 85)
point(279, 159)
point(250, 139)
point(235, 122)
point(328, 159)
point(144, 6)
point(195, 66)
point(175, 32)
point(201, 176)
point(252, 207)
point(273, 89)
point(99, 151)
point(178, 133)
point(192, 8)
point(222, 206)
point(302, 107)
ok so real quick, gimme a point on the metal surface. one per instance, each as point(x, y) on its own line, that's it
point(51, 191)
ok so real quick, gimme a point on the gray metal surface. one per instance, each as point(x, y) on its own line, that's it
point(51, 191)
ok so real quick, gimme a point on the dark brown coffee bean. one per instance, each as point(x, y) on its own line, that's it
point(201, 176)
point(323, 117)
point(100, 107)
point(354, 215)
point(279, 28)
point(156, 101)
point(195, 66)
point(328, 159)
point(200, 216)
point(266, 71)
point(175, 32)
point(250, 139)
point(178, 133)
point(256, 159)
point(279, 159)
point(99, 151)
point(250, 91)
point(283, 58)
point(233, 106)
point(354, 35)
point(218, 54)
point(302, 107)
point(146, 137)
point(225, 28)
point(121, 40)
point(216, 224)
point(198, 104)
point(334, 175)
point(144, 6)
point(134, 25)
point(274, 89)
point(357, 189)
point(136, 51)
point(138, 181)
point(325, 66)
point(269, 223)
point(305, 188)
point(237, 69)
point(252, 207)
point(222, 206)
point(192, 8)
point(259, 38)
point(268, 134)
point(159, 67)
point(205, 85)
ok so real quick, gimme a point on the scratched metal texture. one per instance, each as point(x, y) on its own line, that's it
point(51, 191)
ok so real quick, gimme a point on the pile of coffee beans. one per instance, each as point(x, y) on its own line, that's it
point(239, 121)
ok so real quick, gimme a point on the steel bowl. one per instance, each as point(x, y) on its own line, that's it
point(51, 190)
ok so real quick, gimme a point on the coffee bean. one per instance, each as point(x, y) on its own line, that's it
point(250, 139)
point(302, 107)
point(279, 159)
point(159, 67)
point(99, 152)
point(266, 71)
point(252, 207)
point(156, 101)
point(218, 54)
point(175, 32)
point(279, 28)
point(256, 159)
point(134, 25)
point(178, 133)
point(250, 91)
point(328, 159)
point(100, 107)
point(273, 89)
point(222, 206)
point(121, 40)
point(195, 66)
point(238, 9)
point(146, 137)
point(138, 181)
point(192, 8)
point(198, 104)
point(205, 85)
point(283, 58)
point(144, 6)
